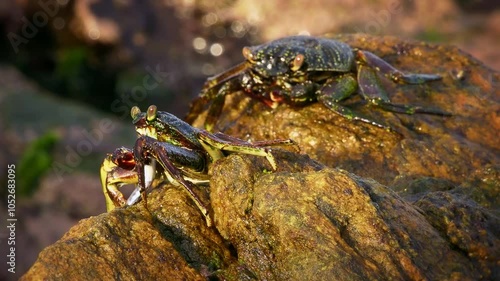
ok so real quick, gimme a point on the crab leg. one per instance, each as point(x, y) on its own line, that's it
point(217, 104)
point(212, 91)
point(149, 147)
point(225, 76)
point(256, 143)
point(214, 143)
point(391, 72)
point(372, 91)
point(338, 89)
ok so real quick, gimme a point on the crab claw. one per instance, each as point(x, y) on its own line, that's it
point(134, 197)
point(149, 172)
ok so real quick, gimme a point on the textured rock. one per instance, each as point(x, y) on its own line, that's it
point(453, 148)
point(121, 246)
point(313, 225)
point(302, 222)
point(429, 211)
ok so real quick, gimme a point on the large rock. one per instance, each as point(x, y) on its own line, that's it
point(303, 222)
point(453, 148)
point(331, 225)
point(358, 203)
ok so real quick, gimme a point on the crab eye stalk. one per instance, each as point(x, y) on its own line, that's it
point(134, 112)
point(151, 115)
point(247, 53)
point(297, 62)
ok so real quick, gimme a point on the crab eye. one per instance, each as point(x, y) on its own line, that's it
point(297, 62)
point(151, 115)
point(134, 112)
point(247, 53)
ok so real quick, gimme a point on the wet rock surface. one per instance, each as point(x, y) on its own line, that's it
point(312, 225)
point(451, 148)
point(357, 203)
point(305, 221)
point(100, 249)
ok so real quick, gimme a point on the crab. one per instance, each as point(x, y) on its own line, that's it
point(298, 70)
point(169, 149)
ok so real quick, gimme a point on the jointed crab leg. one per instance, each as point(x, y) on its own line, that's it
point(147, 147)
point(371, 90)
point(215, 143)
point(218, 101)
point(339, 88)
point(391, 72)
point(225, 76)
point(212, 90)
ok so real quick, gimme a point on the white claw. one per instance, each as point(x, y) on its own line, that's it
point(134, 197)
point(149, 173)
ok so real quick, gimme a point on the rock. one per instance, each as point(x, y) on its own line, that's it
point(303, 222)
point(128, 244)
point(357, 203)
point(316, 224)
point(98, 249)
point(467, 227)
point(452, 148)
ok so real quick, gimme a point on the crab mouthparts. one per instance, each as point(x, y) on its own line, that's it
point(148, 131)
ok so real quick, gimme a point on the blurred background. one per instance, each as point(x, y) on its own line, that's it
point(71, 70)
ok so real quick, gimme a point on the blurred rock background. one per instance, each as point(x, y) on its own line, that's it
point(71, 70)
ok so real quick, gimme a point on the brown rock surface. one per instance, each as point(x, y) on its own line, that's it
point(303, 221)
point(310, 219)
point(314, 225)
point(451, 148)
point(99, 249)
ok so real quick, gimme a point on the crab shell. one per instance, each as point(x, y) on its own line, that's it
point(298, 55)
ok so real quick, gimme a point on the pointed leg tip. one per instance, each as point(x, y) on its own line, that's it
point(209, 221)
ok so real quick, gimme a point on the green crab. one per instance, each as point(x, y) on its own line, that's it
point(169, 149)
point(302, 69)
